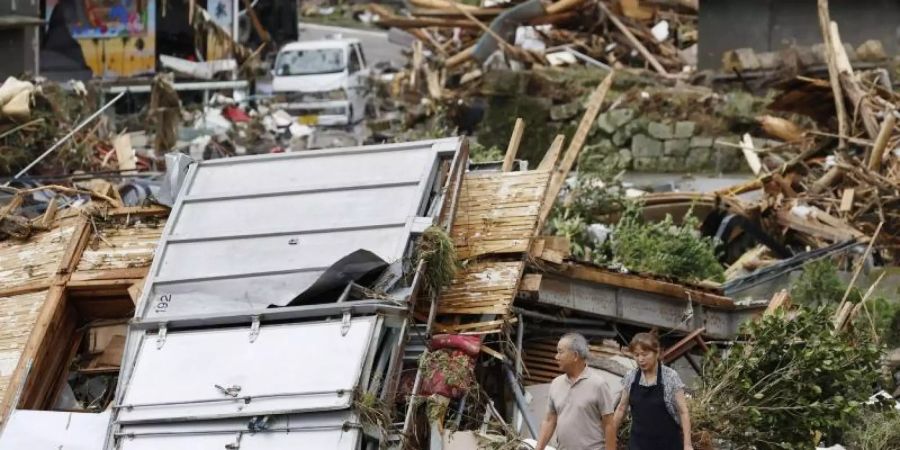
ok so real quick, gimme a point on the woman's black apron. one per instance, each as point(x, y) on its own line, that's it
point(652, 427)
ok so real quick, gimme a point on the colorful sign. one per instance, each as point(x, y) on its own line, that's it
point(117, 37)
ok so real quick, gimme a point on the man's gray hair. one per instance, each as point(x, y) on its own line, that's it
point(578, 344)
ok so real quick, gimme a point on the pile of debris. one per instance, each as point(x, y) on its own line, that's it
point(536, 33)
point(39, 116)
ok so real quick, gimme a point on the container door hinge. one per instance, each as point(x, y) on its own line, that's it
point(161, 335)
point(254, 329)
point(345, 323)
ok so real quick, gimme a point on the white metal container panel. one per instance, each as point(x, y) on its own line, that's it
point(315, 169)
point(309, 431)
point(234, 257)
point(288, 368)
point(306, 440)
point(198, 299)
point(253, 231)
point(54, 430)
point(315, 211)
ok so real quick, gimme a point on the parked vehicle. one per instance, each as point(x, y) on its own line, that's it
point(322, 82)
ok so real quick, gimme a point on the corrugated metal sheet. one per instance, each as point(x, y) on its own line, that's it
point(122, 247)
point(35, 260)
point(18, 314)
point(249, 232)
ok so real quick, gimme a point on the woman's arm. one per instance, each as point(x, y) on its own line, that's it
point(619, 415)
point(685, 415)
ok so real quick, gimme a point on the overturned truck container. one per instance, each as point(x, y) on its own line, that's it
point(278, 298)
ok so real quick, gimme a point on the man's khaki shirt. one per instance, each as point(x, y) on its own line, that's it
point(579, 405)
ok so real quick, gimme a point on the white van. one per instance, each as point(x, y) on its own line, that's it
point(323, 82)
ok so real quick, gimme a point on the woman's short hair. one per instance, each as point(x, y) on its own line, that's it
point(644, 341)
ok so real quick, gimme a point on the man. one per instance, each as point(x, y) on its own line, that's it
point(581, 404)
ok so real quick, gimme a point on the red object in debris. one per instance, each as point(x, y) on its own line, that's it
point(461, 365)
point(470, 345)
point(235, 114)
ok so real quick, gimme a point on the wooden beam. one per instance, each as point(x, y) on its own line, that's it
point(881, 142)
point(49, 216)
point(53, 303)
point(460, 57)
point(493, 353)
point(120, 285)
point(562, 6)
point(452, 13)
point(683, 346)
point(531, 282)
point(513, 148)
point(828, 179)
point(135, 291)
point(847, 199)
point(112, 274)
point(645, 284)
point(851, 84)
point(552, 155)
point(80, 238)
point(634, 40)
point(781, 299)
point(571, 155)
point(833, 74)
point(750, 154)
point(443, 4)
point(26, 288)
point(138, 211)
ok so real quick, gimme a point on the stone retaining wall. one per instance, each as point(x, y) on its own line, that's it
point(624, 141)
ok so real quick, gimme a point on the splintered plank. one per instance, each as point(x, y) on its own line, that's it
point(34, 261)
point(120, 247)
point(498, 212)
point(18, 314)
point(482, 288)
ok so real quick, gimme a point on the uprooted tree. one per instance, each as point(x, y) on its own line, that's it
point(795, 381)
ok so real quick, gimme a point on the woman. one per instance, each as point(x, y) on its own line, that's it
point(659, 414)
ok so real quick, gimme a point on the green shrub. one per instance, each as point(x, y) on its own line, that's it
point(818, 285)
point(664, 248)
point(794, 380)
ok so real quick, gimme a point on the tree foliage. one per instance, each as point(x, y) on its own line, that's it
point(794, 380)
point(819, 285)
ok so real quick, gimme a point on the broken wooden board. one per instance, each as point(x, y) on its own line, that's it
point(554, 249)
point(781, 299)
point(18, 314)
point(484, 287)
point(593, 274)
point(498, 212)
point(34, 261)
point(121, 247)
point(819, 224)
